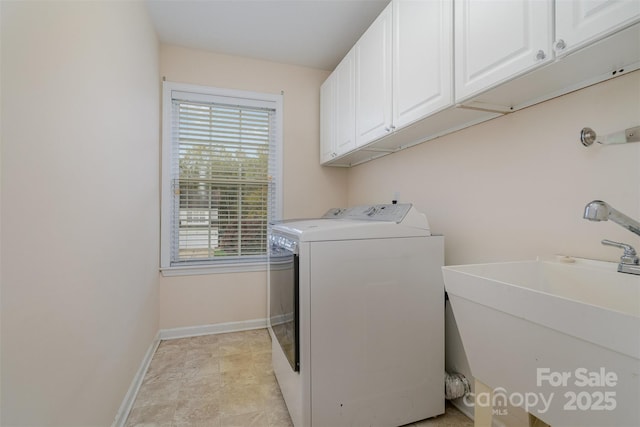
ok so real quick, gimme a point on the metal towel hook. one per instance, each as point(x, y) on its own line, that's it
point(588, 136)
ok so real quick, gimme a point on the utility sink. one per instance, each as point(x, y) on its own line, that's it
point(559, 337)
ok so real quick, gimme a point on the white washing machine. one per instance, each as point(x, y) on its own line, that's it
point(356, 309)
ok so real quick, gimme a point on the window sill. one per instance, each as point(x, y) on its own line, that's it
point(194, 270)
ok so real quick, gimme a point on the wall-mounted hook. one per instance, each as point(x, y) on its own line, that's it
point(588, 136)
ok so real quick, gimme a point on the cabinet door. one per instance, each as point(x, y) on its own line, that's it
point(328, 119)
point(422, 58)
point(499, 40)
point(373, 80)
point(345, 110)
point(579, 22)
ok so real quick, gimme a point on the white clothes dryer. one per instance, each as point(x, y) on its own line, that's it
point(356, 316)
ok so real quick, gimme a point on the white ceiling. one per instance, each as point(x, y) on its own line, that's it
point(310, 33)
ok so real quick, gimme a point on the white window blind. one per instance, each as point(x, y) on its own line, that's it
point(223, 173)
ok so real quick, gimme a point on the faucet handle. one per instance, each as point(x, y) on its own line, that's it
point(629, 257)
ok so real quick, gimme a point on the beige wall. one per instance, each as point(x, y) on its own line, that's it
point(80, 197)
point(211, 299)
point(515, 187)
point(309, 189)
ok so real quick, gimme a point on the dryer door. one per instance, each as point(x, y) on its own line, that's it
point(284, 296)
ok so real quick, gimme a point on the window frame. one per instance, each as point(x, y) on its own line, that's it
point(239, 97)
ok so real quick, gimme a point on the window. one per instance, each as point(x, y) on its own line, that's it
point(221, 179)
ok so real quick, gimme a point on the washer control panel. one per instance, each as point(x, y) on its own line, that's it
point(387, 212)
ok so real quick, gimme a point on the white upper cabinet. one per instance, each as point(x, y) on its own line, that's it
point(403, 67)
point(426, 68)
point(499, 40)
point(345, 109)
point(373, 80)
point(579, 22)
point(328, 119)
point(422, 59)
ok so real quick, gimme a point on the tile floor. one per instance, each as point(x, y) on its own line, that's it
point(223, 381)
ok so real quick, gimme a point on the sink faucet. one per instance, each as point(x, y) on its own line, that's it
point(602, 211)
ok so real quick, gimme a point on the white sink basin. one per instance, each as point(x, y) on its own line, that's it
point(524, 324)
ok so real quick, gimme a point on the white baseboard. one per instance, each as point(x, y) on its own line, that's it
point(130, 397)
point(167, 334)
point(218, 328)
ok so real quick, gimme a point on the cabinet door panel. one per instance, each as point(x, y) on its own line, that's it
point(579, 22)
point(499, 40)
point(345, 118)
point(328, 119)
point(422, 58)
point(373, 80)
